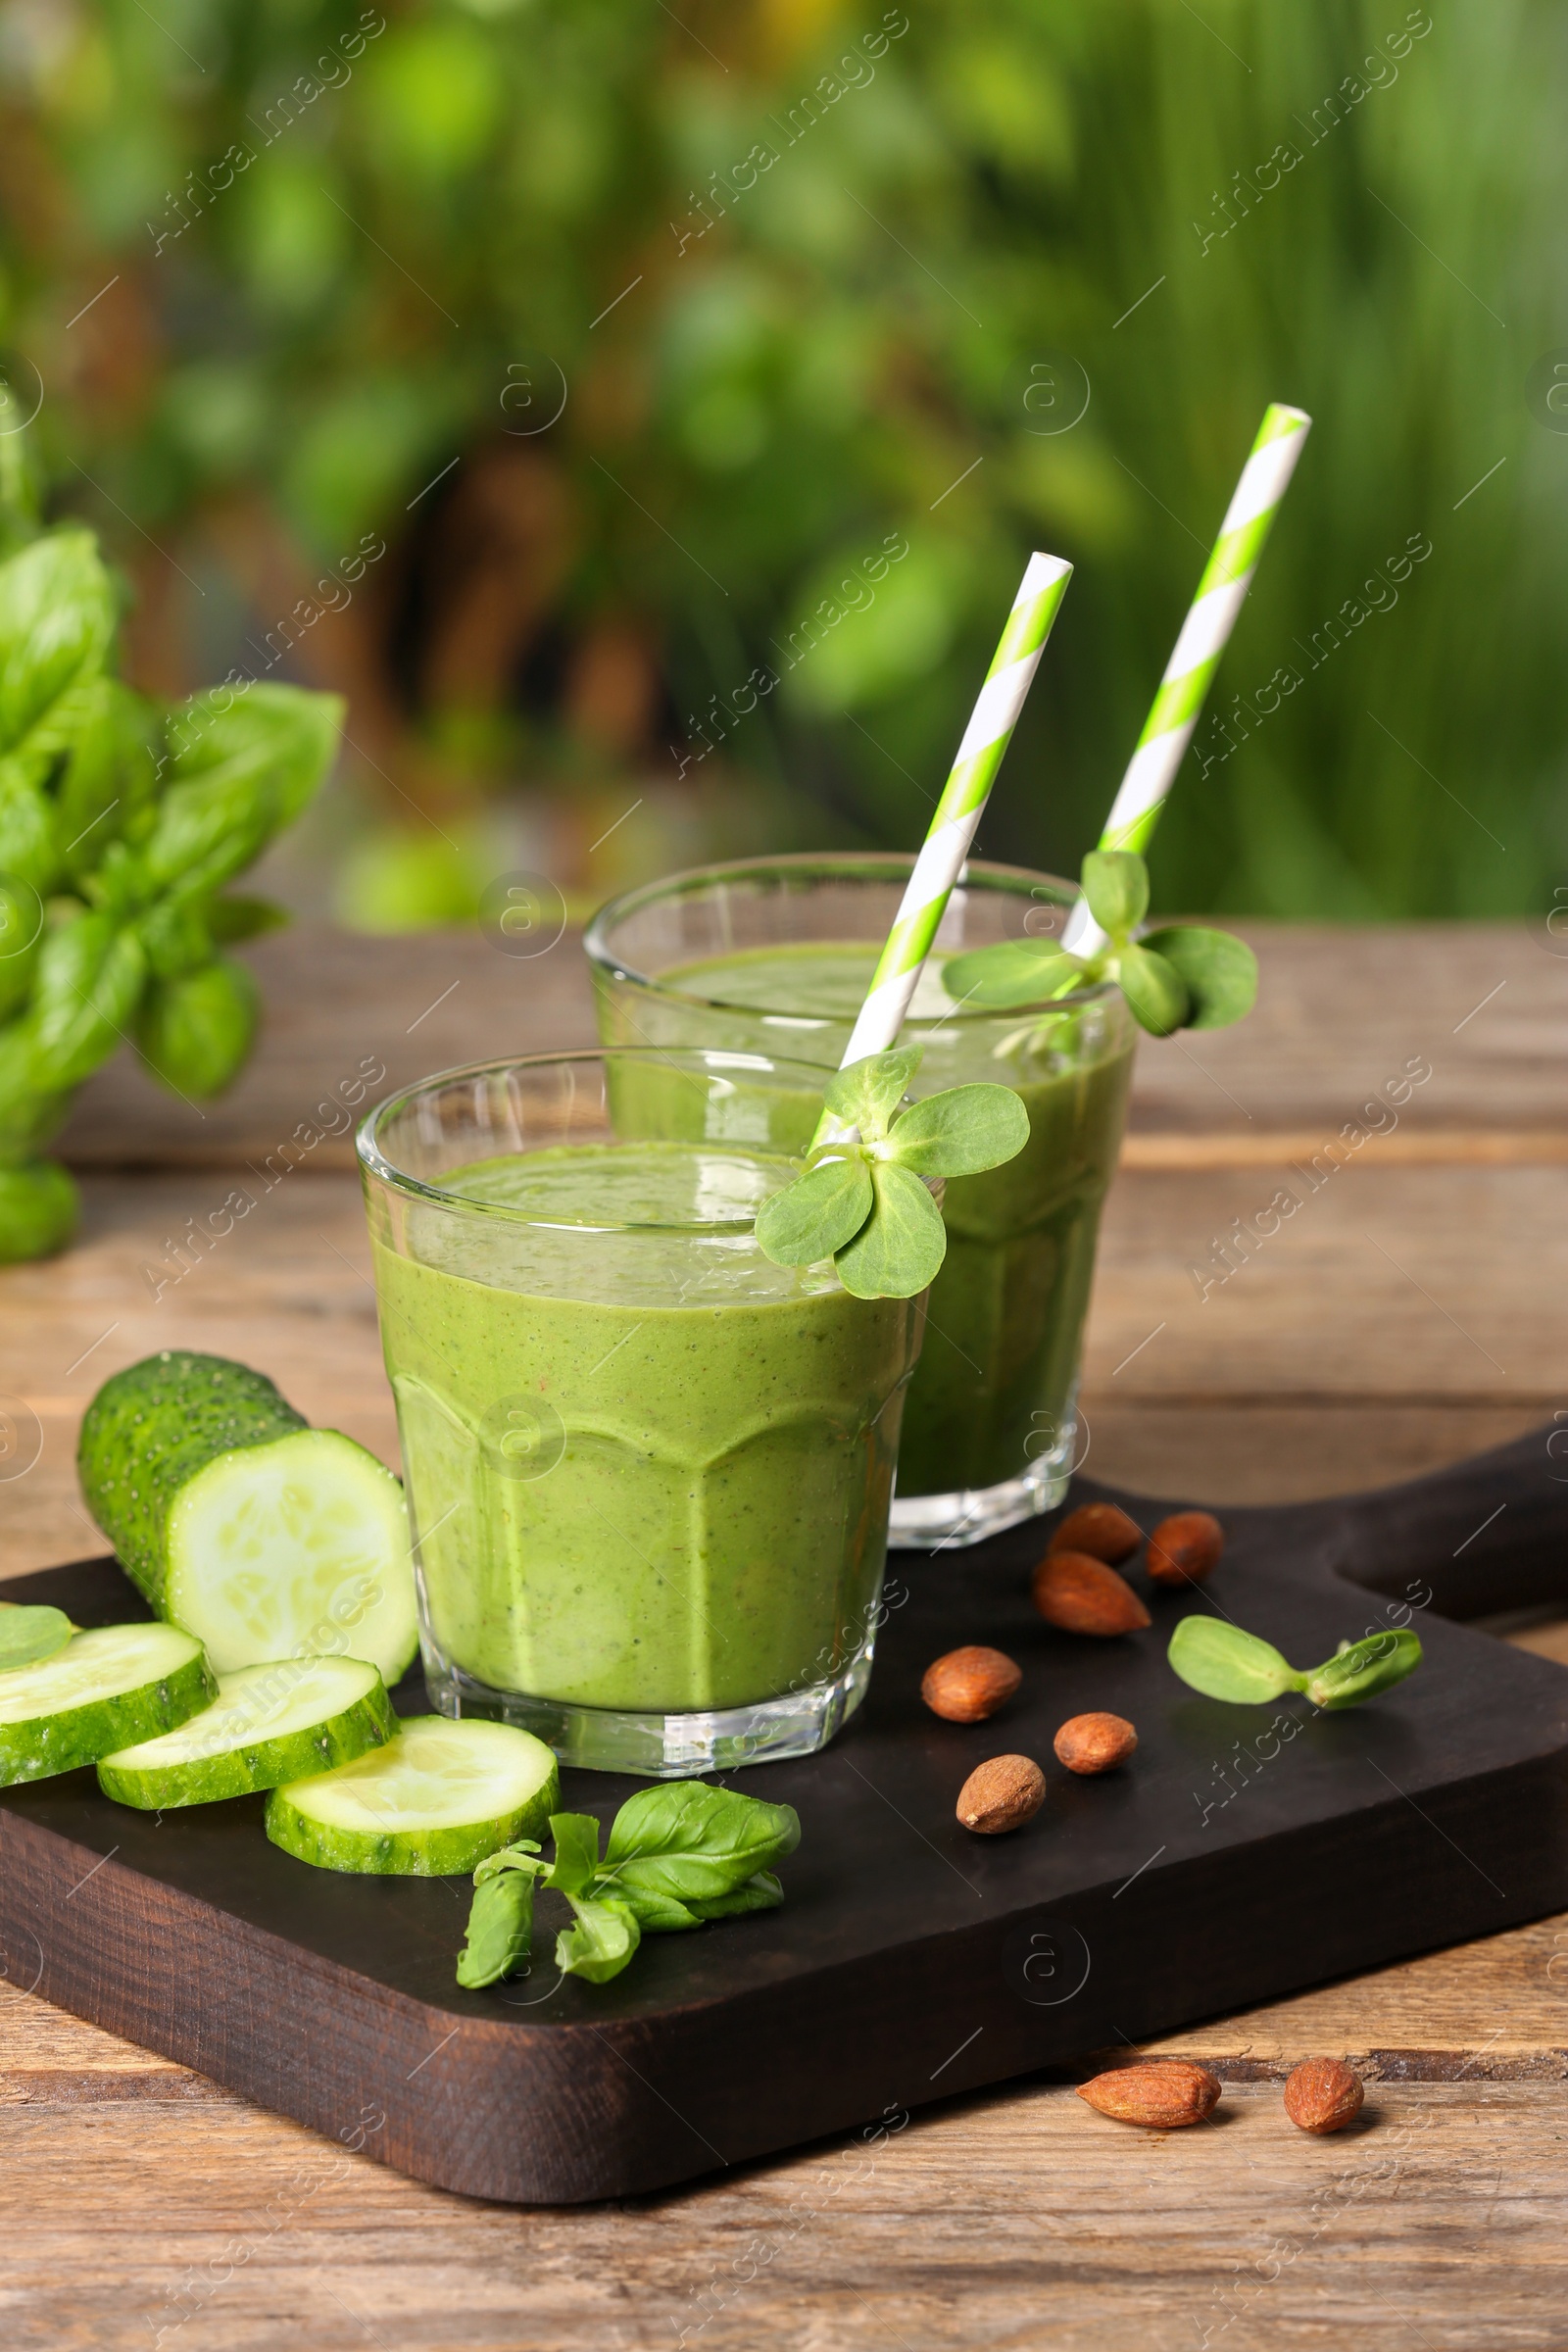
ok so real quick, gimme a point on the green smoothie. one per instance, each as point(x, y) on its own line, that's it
point(998, 1371)
point(648, 1470)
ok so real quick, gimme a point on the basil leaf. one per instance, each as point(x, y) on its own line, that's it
point(38, 1204)
point(1116, 886)
point(816, 1215)
point(111, 782)
point(30, 1112)
point(1220, 1660)
point(175, 934)
point(91, 974)
point(577, 1837)
point(523, 1856)
point(961, 1131)
point(1016, 971)
point(897, 1251)
point(697, 1844)
point(1366, 1667)
point(656, 1914)
point(194, 1033)
point(236, 918)
point(868, 1092)
point(500, 1927)
point(238, 775)
point(21, 932)
point(57, 623)
point(30, 1631)
point(1155, 992)
point(759, 1894)
point(601, 1940)
point(1219, 972)
point(28, 851)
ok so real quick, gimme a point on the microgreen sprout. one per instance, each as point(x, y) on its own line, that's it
point(1182, 977)
point(863, 1199)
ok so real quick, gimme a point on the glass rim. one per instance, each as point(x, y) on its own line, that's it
point(853, 865)
point(373, 1160)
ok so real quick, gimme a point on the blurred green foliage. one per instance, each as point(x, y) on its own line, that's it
point(327, 253)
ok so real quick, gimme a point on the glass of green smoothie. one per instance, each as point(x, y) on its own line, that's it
point(773, 957)
point(649, 1471)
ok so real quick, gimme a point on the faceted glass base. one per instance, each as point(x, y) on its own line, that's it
point(662, 1748)
point(936, 1522)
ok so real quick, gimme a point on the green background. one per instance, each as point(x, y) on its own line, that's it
point(449, 216)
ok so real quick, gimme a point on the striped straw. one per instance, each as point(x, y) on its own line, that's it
point(1221, 593)
point(957, 812)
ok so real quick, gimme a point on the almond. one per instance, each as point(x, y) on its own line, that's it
point(1084, 1597)
point(1095, 1742)
point(1001, 1795)
point(1101, 1530)
point(969, 1685)
point(1185, 1548)
point(1323, 2095)
point(1163, 2094)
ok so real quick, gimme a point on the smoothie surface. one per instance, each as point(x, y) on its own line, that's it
point(643, 1224)
point(825, 979)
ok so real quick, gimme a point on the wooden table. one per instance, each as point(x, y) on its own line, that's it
point(1414, 1310)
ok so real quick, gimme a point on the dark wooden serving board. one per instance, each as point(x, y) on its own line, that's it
point(1232, 1862)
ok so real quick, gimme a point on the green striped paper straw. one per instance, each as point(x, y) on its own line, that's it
point(1211, 616)
point(957, 812)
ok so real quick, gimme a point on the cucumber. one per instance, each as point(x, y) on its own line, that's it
point(263, 1536)
point(105, 1689)
point(433, 1803)
point(269, 1724)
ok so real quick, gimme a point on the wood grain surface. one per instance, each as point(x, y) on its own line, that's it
point(143, 2205)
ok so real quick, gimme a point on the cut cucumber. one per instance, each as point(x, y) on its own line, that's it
point(434, 1801)
point(297, 1548)
point(107, 1688)
point(265, 1538)
point(151, 1428)
point(269, 1724)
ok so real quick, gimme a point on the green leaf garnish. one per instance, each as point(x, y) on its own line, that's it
point(1016, 971)
point(1366, 1667)
point(759, 1894)
point(697, 1843)
point(899, 1249)
point(601, 1939)
point(680, 1853)
point(501, 1920)
point(1116, 882)
point(1218, 1658)
point(868, 1092)
point(862, 1202)
point(1185, 976)
point(30, 1632)
point(1219, 971)
point(577, 1837)
point(1153, 989)
point(817, 1215)
point(960, 1132)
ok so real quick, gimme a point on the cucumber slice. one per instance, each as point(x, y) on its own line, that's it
point(297, 1548)
point(267, 1538)
point(107, 1688)
point(433, 1803)
point(269, 1724)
